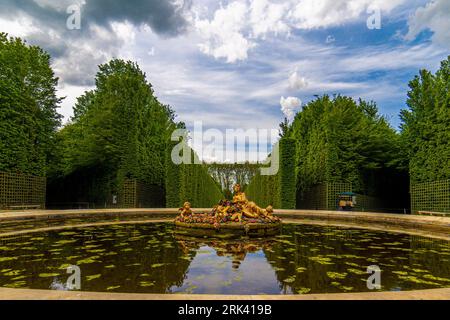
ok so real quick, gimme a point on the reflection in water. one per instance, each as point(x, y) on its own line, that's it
point(228, 266)
point(236, 250)
point(153, 259)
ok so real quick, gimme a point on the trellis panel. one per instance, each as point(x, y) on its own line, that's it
point(323, 196)
point(431, 196)
point(21, 190)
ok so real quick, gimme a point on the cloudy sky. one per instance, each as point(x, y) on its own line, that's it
point(242, 63)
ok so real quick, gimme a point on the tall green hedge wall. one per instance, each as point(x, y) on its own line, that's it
point(342, 140)
point(190, 182)
point(264, 190)
point(277, 190)
point(119, 132)
point(287, 179)
point(28, 108)
point(426, 125)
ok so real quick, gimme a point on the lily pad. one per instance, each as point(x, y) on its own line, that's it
point(279, 269)
point(88, 260)
point(48, 275)
point(303, 290)
point(356, 271)
point(112, 288)
point(146, 284)
point(337, 275)
point(158, 265)
point(290, 279)
point(90, 278)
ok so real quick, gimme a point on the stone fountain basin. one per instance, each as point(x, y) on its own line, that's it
point(229, 229)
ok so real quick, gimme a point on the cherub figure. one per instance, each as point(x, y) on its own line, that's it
point(237, 216)
point(221, 210)
point(186, 210)
point(268, 214)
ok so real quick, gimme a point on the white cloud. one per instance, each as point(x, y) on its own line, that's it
point(290, 106)
point(330, 39)
point(223, 35)
point(435, 16)
point(60, 5)
point(386, 58)
point(79, 64)
point(313, 14)
point(236, 28)
point(19, 27)
point(296, 82)
point(267, 17)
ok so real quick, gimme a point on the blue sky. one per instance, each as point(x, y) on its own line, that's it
point(247, 63)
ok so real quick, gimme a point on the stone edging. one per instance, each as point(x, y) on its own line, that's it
point(27, 294)
point(423, 225)
point(413, 224)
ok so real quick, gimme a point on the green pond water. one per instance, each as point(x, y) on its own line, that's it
point(152, 258)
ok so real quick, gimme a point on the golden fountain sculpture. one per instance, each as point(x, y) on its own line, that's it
point(238, 215)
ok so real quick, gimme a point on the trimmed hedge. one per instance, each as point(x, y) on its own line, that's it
point(190, 182)
point(118, 132)
point(28, 108)
point(277, 190)
point(264, 190)
point(287, 180)
point(174, 181)
point(426, 126)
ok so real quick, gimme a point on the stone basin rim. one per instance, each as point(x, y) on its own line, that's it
point(229, 226)
point(435, 227)
point(293, 216)
point(31, 294)
point(168, 220)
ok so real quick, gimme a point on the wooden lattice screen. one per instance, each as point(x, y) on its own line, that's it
point(333, 191)
point(149, 196)
point(367, 203)
point(128, 194)
point(323, 196)
point(21, 190)
point(431, 196)
point(136, 194)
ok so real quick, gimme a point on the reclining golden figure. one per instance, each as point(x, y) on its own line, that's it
point(245, 208)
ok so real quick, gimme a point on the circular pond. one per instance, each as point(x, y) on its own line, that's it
point(152, 258)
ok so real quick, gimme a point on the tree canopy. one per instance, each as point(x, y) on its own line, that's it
point(426, 125)
point(341, 140)
point(120, 125)
point(28, 107)
point(118, 131)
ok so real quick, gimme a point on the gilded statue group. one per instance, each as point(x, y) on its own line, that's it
point(239, 210)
